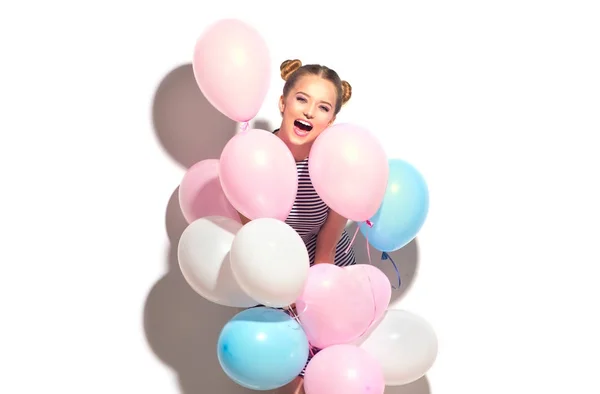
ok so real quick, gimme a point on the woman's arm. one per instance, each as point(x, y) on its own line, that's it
point(328, 237)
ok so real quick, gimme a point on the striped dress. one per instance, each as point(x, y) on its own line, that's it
point(307, 216)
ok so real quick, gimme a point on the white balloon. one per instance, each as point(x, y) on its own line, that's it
point(405, 345)
point(203, 254)
point(270, 262)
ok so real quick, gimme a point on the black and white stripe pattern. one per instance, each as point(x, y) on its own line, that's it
point(308, 215)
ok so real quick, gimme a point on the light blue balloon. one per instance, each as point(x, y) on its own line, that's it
point(403, 210)
point(262, 348)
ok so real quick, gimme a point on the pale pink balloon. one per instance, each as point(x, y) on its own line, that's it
point(349, 170)
point(345, 369)
point(232, 66)
point(379, 284)
point(258, 175)
point(201, 194)
point(334, 307)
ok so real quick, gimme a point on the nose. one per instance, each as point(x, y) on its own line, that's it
point(308, 113)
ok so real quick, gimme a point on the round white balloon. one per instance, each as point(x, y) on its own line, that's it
point(203, 254)
point(270, 262)
point(405, 345)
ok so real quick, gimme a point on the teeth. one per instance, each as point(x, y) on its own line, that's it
point(304, 123)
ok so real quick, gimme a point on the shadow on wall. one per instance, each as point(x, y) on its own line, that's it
point(263, 125)
point(182, 327)
point(420, 386)
point(189, 128)
point(406, 259)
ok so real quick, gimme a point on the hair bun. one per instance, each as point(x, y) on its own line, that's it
point(346, 92)
point(288, 67)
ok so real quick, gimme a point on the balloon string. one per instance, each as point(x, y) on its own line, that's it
point(385, 256)
point(370, 224)
point(374, 306)
point(245, 126)
point(369, 250)
point(352, 241)
point(294, 314)
point(291, 311)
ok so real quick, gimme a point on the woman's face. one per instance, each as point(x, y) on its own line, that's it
point(308, 109)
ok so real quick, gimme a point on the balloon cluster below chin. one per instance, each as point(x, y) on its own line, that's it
point(262, 265)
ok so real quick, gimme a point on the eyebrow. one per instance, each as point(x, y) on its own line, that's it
point(322, 101)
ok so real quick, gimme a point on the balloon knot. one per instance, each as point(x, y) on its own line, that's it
point(245, 126)
point(369, 223)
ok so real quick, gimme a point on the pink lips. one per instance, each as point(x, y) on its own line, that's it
point(300, 132)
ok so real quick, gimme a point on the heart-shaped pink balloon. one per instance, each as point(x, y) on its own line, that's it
point(336, 306)
point(380, 286)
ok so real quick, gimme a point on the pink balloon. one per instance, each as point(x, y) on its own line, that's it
point(349, 170)
point(258, 175)
point(379, 284)
point(232, 67)
point(201, 195)
point(344, 369)
point(334, 307)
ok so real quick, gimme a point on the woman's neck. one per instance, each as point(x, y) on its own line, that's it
point(300, 152)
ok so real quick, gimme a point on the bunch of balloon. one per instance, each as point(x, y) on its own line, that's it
point(263, 264)
point(336, 308)
point(404, 343)
point(389, 200)
point(348, 168)
point(255, 177)
point(259, 266)
point(255, 174)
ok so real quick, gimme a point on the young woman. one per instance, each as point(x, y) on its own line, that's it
point(312, 97)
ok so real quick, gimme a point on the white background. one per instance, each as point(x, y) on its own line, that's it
point(497, 103)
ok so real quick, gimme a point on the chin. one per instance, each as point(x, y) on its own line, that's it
point(300, 141)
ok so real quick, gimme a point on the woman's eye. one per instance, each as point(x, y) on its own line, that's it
point(324, 108)
point(301, 99)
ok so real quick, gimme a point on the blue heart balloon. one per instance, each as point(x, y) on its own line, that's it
point(403, 210)
point(262, 348)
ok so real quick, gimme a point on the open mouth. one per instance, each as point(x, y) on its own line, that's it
point(303, 125)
